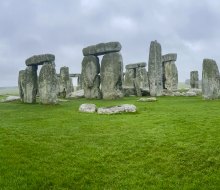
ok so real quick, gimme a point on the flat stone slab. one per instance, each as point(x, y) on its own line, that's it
point(76, 94)
point(169, 57)
point(117, 109)
point(88, 108)
point(135, 65)
point(39, 59)
point(102, 48)
point(10, 99)
point(151, 99)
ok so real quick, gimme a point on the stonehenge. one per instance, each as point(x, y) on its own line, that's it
point(170, 73)
point(210, 80)
point(103, 81)
point(194, 79)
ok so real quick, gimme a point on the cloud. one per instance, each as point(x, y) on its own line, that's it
point(64, 27)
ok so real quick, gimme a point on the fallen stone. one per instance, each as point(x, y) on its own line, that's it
point(135, 65)
point(151, 99)
point(88, 108)
point(190, 94)
point(10, 99)
point(102, 48)
point(196, 90)
point(76, 94)
point(40, 59)
point(169, 57)
point(117, 109)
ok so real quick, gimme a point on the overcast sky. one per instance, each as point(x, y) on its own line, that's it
point(190, 28)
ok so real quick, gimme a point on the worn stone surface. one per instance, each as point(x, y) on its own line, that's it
point(10, 98)
point(129, 78)
point(170, 76)
point(65, 81)
point(169, 57)
point(137, 87)
point(155, 69)
point(90, 77)
point(194, 79)
point(27, 82)
point(112, 76)
point(196, 90)
point(40, 59)
point(142, 78)
point(190, 93)
point(117, 109)
point(210, 79)
point(48, 84)
point(135, 65)
point(76, 94)
point(21, 84)
point(102, 48)
point(88, 108)
point(151, 99)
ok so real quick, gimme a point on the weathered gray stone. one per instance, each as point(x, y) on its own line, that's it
point(189, 93)
point(169, 57)
point(142, 78)
point(117, 109)
point(65, 81)
point(151, 99)
point(27, 83)
point(10, 99)
point(90, 77)
point(137, 87)
point(21, 84)
point(170, 76)
point(76, 94)
point(88, 108)
point(102, 48)
point(48, 84)
point(210, 80)
point(112, 76)
point(40, 59)
point(194, 79)
point(135, 65)
point(155, 69)
point(129, 78)
point(196, 90)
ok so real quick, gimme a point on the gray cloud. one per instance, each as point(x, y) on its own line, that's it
point(63, 28)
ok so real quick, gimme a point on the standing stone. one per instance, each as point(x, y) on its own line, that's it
point(112, 76)
point(48, 84)
point(142, 78)
point(194, 79)
point(129, 77)
point(171, 76)
point(28, 84)
point(210, 79)
point(90, 77)
point(155, 69)
point(21, 84)
point(65, 82)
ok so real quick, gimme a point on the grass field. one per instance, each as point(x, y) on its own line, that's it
point(173, 143)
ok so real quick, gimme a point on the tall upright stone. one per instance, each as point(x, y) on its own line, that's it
point(210, 79)
point(90, 77)
point(155, 69)
point(129, 78)
point(170, 72)
point(112, 76)
point(27, 83)
point(194, 79)
point(142, 78)
point(21, 84)
point(65, 81)
point(48, 84)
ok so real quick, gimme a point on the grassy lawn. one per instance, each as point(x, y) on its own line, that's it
point(173, 143)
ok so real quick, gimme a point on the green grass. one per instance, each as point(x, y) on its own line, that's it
point(173, 143)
